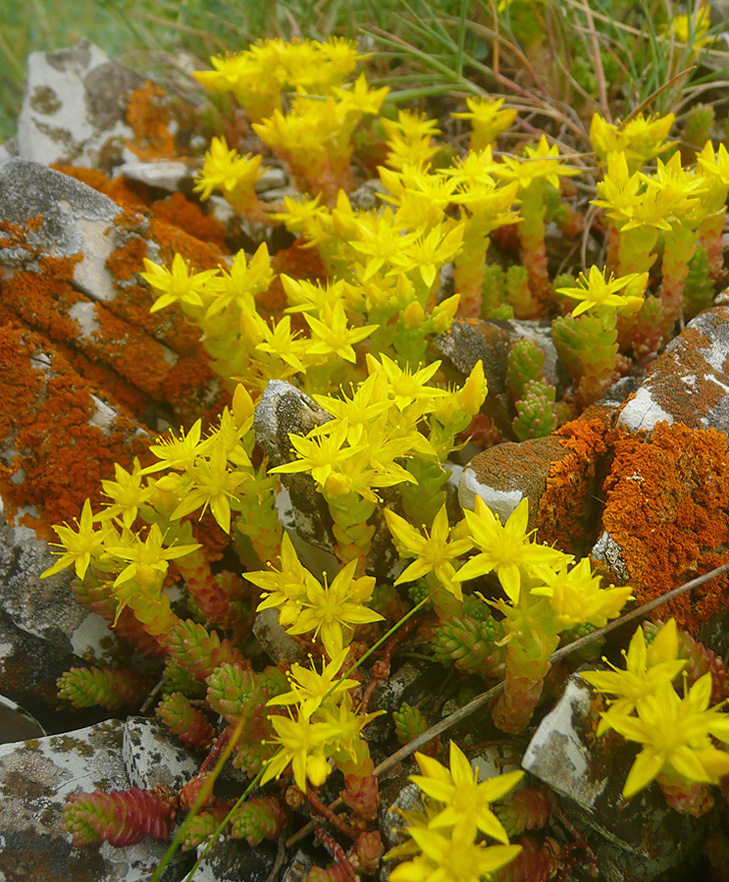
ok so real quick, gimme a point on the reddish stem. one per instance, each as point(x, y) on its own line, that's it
point(333, 818)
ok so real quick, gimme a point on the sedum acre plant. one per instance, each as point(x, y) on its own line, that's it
point(359, 342)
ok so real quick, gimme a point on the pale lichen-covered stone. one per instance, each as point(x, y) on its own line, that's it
point(507, 473)
point(74, 108)
point(74, 219)
point(689, 383)
point(152, 756)
point(35, 779)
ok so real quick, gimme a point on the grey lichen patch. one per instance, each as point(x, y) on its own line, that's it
point(44, 100)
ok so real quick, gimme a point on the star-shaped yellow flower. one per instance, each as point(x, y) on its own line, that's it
point(433, 552)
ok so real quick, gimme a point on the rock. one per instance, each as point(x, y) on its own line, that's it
point(29, 668)
point(69, 270)
point(470, 341)
point(162, 175)
point(274, 639)
point(74, 220)
point(559, 755)
point(665, 517)
point(282, 410)
point(298, 868)
point(365, 197)
point(16, 724)
point(389, 695)
point(8, 150)
point(507, 473)
point(559, 475)
point(640, 839)
point(152, 756)
point(231, 860)
point(271, 179)
point(74, 108)
point(35, 778)
point(687, 383)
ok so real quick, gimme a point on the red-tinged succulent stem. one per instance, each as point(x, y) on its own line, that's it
point(527, 664)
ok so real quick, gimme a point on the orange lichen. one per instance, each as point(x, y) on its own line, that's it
point(57, 447)
point(172, 240)
point(568, 510)
point(190, 218)
point(127, 260)
point(667, 508)
point(121, 190)
point(149, 117)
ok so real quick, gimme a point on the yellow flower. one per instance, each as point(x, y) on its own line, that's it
point(318, 454)
point(211, 483)
point(279, 341)
point(576, 597)
point(539, 163)
point(487, 118)
point(331, 611)
point(178, 453)
point(675, 733)
point(180, 285)
point(148, 562)
point(242, 282)
point(624, 293)
point(310, 689)
point(428, 253)
point(452, 858)
point(405, 387)
point(331, 335)
point(645, 668)
point(690, 28)
point(286, 587)
point(504, 548)
point(226, 170)
point(302, 743)
point(466, 801)
point(368, 401)
point(80, 545)
point(361, 97)
point(127, 493)
point(637, 141)
point(433, 552)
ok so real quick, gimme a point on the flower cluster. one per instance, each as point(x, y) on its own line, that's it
point(322, 725)
point(446, 838)
point(400, 269)
point(676, 733)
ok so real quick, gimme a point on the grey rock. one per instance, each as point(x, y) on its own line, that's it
point(75, 220)
point(282, 410)
point(298, 868)
point(44, 608)
point(164, 174)
point(35, 779)
point(274, 639)
point(16, 724)
point(8, 150)
point(388, 696)
point(152, 756)
point(466, 343)
point(271, 179)
point(608, 551)
point(231, 860)
point(686, 384)
point(365, 198)
point(74, 108)
point(558, 754)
